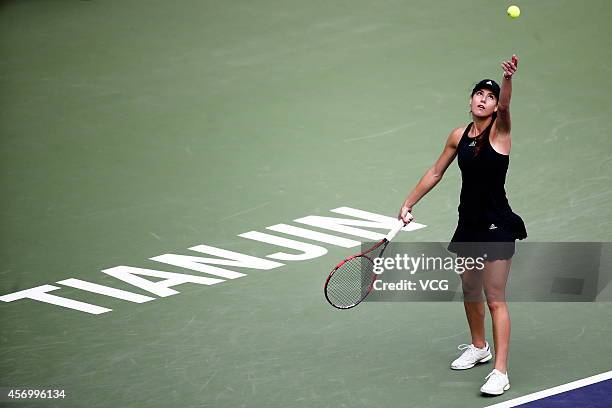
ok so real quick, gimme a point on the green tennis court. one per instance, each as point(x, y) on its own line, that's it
point(135, 129)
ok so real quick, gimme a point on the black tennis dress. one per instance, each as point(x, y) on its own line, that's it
point(486, 222)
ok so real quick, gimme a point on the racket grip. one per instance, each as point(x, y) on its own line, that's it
point(396, 228)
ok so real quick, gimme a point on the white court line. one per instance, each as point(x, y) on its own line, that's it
point(386, 132)
point(553, 391)
point(244, 211)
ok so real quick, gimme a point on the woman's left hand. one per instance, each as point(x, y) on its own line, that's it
point(510, 67)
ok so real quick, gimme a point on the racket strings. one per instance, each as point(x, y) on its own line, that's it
point(351, 282)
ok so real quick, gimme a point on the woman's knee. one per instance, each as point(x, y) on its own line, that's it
point(472, 285)
point(494, 305)
point(472, 292)
point(495, 293)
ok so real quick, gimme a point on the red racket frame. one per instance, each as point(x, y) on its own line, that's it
point(374, 278)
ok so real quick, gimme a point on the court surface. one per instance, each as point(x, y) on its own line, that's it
point(133, 129)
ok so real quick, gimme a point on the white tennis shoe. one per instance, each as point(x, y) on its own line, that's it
point(471, 356)
point(497, 383)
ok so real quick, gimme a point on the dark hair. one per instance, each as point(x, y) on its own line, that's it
point(483, 138)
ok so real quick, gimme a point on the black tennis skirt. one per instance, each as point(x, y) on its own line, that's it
point(490, 241)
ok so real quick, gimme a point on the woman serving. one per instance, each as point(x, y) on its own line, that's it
point(487, 226)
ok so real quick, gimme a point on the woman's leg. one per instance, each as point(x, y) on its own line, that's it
point(473, 302)
point(495, 278)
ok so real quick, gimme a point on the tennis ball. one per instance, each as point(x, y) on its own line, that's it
point(514, 11)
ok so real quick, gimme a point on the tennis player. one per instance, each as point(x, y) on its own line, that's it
point(487, 225)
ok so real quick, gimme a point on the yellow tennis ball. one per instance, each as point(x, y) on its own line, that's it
point(514, 11)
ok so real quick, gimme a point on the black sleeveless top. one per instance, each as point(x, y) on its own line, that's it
point(483, 197)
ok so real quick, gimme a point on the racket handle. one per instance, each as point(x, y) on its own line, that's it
point(396, 228)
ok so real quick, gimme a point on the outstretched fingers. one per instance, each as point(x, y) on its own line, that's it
point(510, 66)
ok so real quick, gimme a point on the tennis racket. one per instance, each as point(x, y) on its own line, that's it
point(350, 282)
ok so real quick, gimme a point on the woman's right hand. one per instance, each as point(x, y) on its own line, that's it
point(405, 213)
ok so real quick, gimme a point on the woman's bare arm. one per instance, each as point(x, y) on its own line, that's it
point(433, 175)
point(503, 123)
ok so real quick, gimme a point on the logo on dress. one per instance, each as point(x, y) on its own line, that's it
point(492, 227)
point(472, 144)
